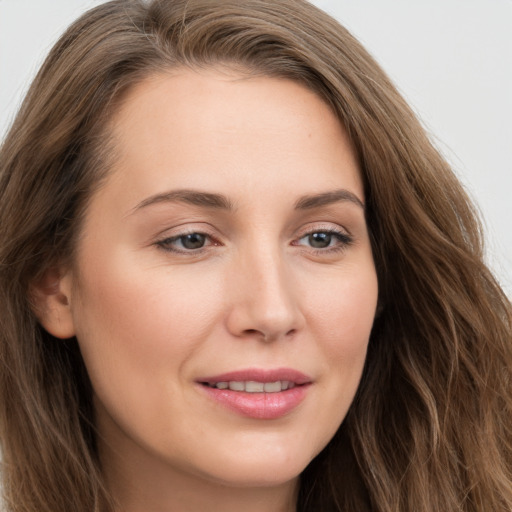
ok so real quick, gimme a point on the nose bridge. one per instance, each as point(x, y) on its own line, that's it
point(265, 301)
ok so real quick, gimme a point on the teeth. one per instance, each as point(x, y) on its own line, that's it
point(237, 386)
point(251, 386)
point(272, 387)
point(254, 387)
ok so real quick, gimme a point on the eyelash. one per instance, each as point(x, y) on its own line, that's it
point(165, 244)
point(344, 241)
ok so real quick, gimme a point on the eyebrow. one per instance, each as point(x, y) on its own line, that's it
point(193, 197)
point(221, 202)
point(327, 198)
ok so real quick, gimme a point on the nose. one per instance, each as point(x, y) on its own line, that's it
point(263, 298)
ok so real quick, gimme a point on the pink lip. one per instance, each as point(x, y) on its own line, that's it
point(259, 405)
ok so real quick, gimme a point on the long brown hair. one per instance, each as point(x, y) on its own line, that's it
point(430, 429)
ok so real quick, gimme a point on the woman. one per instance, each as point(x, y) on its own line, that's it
point(236, 275)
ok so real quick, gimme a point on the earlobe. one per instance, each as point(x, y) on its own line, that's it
point(51, 302)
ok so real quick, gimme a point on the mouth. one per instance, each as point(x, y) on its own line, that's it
point(257, 380)
point(251, 386)
point(257, 393)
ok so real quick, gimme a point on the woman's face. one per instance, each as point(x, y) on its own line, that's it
point(227, 249)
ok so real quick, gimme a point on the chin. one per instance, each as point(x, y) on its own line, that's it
point(262, 476)
point(259, 471)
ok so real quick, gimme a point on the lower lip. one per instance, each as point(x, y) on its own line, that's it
point(263, 406)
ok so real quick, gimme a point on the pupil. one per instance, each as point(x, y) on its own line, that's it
point(320, 240)
point(193, 241)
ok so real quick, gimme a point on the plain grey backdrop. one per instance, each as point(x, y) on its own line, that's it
point(452, 60)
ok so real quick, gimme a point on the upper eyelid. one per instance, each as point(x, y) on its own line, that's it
point(165, 245)
point(185, 229)
point(323, 227)
point(343, 237)
point(170, 238)
point(338, 232)
point(214, 233)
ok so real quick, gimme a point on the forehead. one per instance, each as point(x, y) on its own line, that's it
point(223, 129)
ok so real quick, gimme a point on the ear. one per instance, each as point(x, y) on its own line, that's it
point(51, 300)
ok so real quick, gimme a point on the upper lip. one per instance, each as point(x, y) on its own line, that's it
point(259, 375)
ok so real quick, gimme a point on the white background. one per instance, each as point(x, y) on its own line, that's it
point(452, 59)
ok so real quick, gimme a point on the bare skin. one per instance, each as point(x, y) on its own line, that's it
point(230, 236)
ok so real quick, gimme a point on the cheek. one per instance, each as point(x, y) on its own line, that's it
point(341, 317)
point(131, 320)
point(342, 321)
point(344, 309)
point(128, 293)
point(137, 329)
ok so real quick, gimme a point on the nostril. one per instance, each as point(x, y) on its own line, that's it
point(266, 336)
point(257, 334)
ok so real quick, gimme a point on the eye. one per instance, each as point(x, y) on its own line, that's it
point(325, 240)
point(187, 242)
point(320, 240)
point(192, 240)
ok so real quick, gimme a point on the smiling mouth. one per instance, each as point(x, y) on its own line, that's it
point(251, 386)
point(262, 394)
